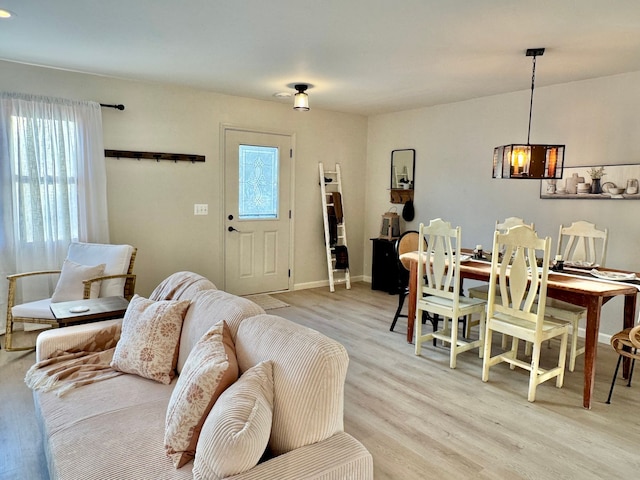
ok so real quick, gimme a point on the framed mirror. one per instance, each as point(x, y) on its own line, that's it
point(402, 169)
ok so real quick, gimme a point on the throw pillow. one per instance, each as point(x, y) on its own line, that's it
point(70, 286)
point(210, 368)
point(148, 344)
point(236, 432)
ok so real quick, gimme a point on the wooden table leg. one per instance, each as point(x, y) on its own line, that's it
point(629, 321)
point(411, 312)
point(591, 346)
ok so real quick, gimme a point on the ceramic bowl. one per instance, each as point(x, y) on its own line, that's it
point(616, 190)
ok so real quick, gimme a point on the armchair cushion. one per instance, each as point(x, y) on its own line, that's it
point(115, 257)
point(148, 345)
point(70, 286)
point(36, 309)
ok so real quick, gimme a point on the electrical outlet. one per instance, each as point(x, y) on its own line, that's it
point(201, 209)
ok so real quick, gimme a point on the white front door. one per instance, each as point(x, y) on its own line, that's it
point(257, 211)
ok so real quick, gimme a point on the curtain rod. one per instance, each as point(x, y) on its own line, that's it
point(118, 107)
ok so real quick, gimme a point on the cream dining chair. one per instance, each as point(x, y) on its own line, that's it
point(517, 311)
point(439, 289)
point(482, 291)
point(581, 244)
point(90, 270)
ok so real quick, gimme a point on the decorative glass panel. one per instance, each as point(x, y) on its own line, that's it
point(258, 182)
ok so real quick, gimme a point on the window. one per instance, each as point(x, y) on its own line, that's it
point(258, 182)
point(44, 177)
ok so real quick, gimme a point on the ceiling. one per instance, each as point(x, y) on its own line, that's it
point(361, 56)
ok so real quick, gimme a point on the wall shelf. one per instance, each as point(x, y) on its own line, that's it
point(174, 157)
point(401, 195)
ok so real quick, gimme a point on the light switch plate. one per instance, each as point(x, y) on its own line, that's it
point(201, 209)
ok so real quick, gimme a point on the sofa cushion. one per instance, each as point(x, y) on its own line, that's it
point(236, 432)
point(70, 286)
point(108, 430)
point(309, 371)
point(148, 343)
point(208, 308)
point(209, 370)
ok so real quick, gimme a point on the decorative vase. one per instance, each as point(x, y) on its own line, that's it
point(595, 185)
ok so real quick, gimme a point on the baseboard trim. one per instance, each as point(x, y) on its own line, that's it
point(325, 283)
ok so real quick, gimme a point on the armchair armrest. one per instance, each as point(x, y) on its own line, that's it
point(129, 286)
point(338, 457)
point(90, 337)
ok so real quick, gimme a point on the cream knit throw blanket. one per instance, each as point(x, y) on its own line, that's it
point(85, 364)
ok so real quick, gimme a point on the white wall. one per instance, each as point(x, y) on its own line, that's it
point(597, 120)
point(151, 204)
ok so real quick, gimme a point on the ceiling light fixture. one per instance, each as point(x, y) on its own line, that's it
point(5, 13)
point(529, 161)
point(301, 99)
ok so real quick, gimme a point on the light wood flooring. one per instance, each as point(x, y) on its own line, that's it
point(418, 418)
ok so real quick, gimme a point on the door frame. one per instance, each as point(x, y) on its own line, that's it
point(224, 128)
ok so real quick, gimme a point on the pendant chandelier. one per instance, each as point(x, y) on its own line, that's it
point(529, 161)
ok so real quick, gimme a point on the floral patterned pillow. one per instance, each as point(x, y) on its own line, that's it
point(150, 338)
point(210, 368)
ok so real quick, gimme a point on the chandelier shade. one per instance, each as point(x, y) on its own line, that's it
point(529, 161)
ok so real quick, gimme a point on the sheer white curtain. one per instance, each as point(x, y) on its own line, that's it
point(52, 185)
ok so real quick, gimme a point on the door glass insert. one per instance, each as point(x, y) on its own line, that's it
point(258, 182)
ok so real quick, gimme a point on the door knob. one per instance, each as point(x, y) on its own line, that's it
point(230, 217)
point(231, 229)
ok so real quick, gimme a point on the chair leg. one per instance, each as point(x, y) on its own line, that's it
point(487, 355)
point(533, 375)
point(633, 364)
point(574, 346)
point(8, 337)
point(417, 332)
point(403, 294)
point(454, 343)
point(613, 382)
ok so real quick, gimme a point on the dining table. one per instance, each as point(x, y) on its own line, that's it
point(576, 287)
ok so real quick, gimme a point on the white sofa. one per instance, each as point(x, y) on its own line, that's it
point(115, 428)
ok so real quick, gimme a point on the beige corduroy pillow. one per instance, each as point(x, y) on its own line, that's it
point(236, 432)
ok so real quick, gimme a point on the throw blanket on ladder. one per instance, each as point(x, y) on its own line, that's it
point(85, 364)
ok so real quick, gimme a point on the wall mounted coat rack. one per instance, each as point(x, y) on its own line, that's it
point(174, 157)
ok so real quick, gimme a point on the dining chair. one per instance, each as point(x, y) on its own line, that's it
point(482, 291)
point(626, 344)
point(90, 270)
point(581, 244)
point(408, 242)
point(516, 312)
point(439, 289)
